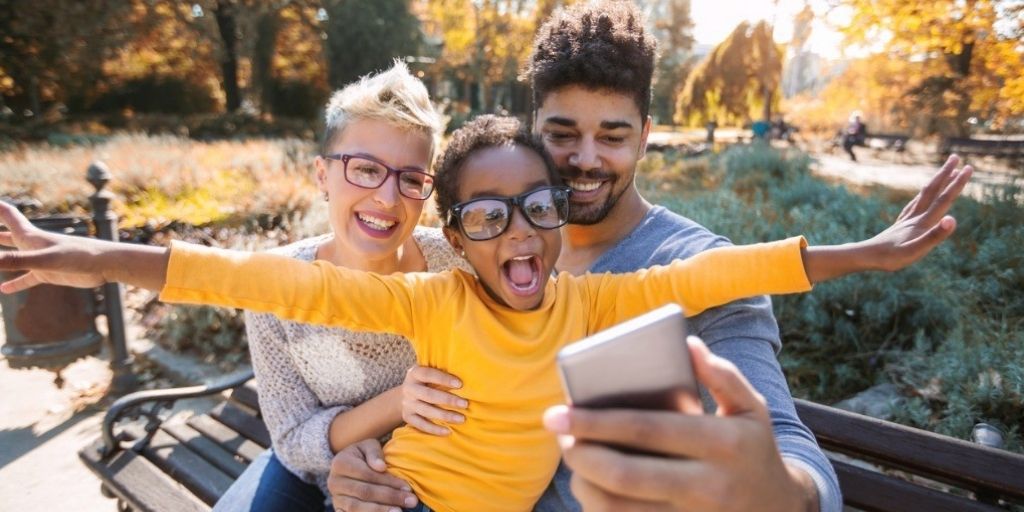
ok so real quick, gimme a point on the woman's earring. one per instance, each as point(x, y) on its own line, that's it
point(326, 197)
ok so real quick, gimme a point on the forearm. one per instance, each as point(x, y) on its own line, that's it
point(143, 266)
point(825, 262)
point(371, 419)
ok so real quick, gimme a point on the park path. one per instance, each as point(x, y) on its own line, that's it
point(899, 176)
point(40, 435)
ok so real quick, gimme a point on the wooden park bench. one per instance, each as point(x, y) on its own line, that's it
point(1011, 149)
point(893, 142)
point(188, 465)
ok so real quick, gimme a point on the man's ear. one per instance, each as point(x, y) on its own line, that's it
point(642, 151)
point(454, 239)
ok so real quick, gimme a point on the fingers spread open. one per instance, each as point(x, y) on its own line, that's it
point(938, 182)
point(20, 283)
point(12, 218)
point(938, 208)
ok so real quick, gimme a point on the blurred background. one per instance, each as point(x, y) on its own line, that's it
point(206, 114)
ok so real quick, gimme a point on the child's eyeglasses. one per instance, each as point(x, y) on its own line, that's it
point(368, 172)
point(485, 218)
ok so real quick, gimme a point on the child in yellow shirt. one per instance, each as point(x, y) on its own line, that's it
point(500, 329)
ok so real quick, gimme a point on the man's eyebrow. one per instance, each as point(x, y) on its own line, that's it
point(614, 125)
point(561, 121)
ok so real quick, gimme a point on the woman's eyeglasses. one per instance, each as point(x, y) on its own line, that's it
point(368, 172)
point(485, 218)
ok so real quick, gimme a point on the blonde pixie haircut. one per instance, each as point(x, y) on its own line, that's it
point(394, 96)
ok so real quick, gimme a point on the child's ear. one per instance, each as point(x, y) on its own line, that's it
point(454, 239)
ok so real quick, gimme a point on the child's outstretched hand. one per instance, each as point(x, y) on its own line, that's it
point(920, 227)
point(42, 253)
point(923, 223)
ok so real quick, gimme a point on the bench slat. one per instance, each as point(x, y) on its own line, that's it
point(242, 422)
point(145, 487)
point(232, 441)
point(936, 456)
point(207, 448)
point(876, 492)
point(187, 467)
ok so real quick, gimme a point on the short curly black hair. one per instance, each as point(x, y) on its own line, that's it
point(483, 132)
point(599, 45)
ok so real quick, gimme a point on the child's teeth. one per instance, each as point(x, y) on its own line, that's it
point(584, 187)
point(380, 224)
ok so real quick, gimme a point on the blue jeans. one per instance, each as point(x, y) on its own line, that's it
point(267, 486)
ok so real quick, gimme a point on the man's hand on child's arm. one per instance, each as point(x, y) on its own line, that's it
point(75, 261)
point(920, 227)
point(359, 480)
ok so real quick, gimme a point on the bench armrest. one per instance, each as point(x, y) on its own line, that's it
point(133, 407)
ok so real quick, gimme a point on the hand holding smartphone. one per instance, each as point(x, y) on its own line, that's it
point(642, 363)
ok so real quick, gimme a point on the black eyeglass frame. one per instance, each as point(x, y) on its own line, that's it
point(511, 203)
point(345, 157)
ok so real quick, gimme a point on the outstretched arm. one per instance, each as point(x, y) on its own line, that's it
point(75, 261)
point(920, 227)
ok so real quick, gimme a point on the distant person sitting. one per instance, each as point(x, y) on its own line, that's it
point(855, 135)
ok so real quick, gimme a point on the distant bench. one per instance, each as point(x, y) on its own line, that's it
point(999, 147)
point(887, 142)
point(187, 465)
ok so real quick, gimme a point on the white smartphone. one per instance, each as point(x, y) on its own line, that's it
point(642, 363)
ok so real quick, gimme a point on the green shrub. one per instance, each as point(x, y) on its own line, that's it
point(215, 335)
point(947, 330)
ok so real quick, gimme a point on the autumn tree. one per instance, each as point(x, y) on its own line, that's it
point(977, 63)
point(485, 43)
point(673, 27)
point(366, 35)
point(737, 79)
point(50, 49)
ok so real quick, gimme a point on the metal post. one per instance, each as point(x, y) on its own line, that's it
point(113, 293)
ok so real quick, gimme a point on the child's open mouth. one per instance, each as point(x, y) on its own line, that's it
point(523, 274)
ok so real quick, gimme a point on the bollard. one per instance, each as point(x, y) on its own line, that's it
point(49, 326)
point(105, 221)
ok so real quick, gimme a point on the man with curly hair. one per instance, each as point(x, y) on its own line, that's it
point(591, 71)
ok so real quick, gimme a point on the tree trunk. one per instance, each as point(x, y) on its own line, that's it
point(767, 111)
point(225, 15)
point(267, 28)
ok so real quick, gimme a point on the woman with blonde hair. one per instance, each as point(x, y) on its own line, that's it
point(322, 389)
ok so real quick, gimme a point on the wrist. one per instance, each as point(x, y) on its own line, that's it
point(803, 490)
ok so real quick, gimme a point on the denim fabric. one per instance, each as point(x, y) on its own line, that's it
point(267, 486)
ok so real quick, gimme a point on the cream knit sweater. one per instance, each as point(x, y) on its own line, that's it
point(307, 374)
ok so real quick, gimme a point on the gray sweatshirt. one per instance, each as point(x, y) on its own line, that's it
point(743, 332)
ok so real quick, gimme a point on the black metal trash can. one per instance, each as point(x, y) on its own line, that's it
point(50, 326)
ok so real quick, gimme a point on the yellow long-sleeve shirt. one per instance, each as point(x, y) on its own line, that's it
point(501, 458)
